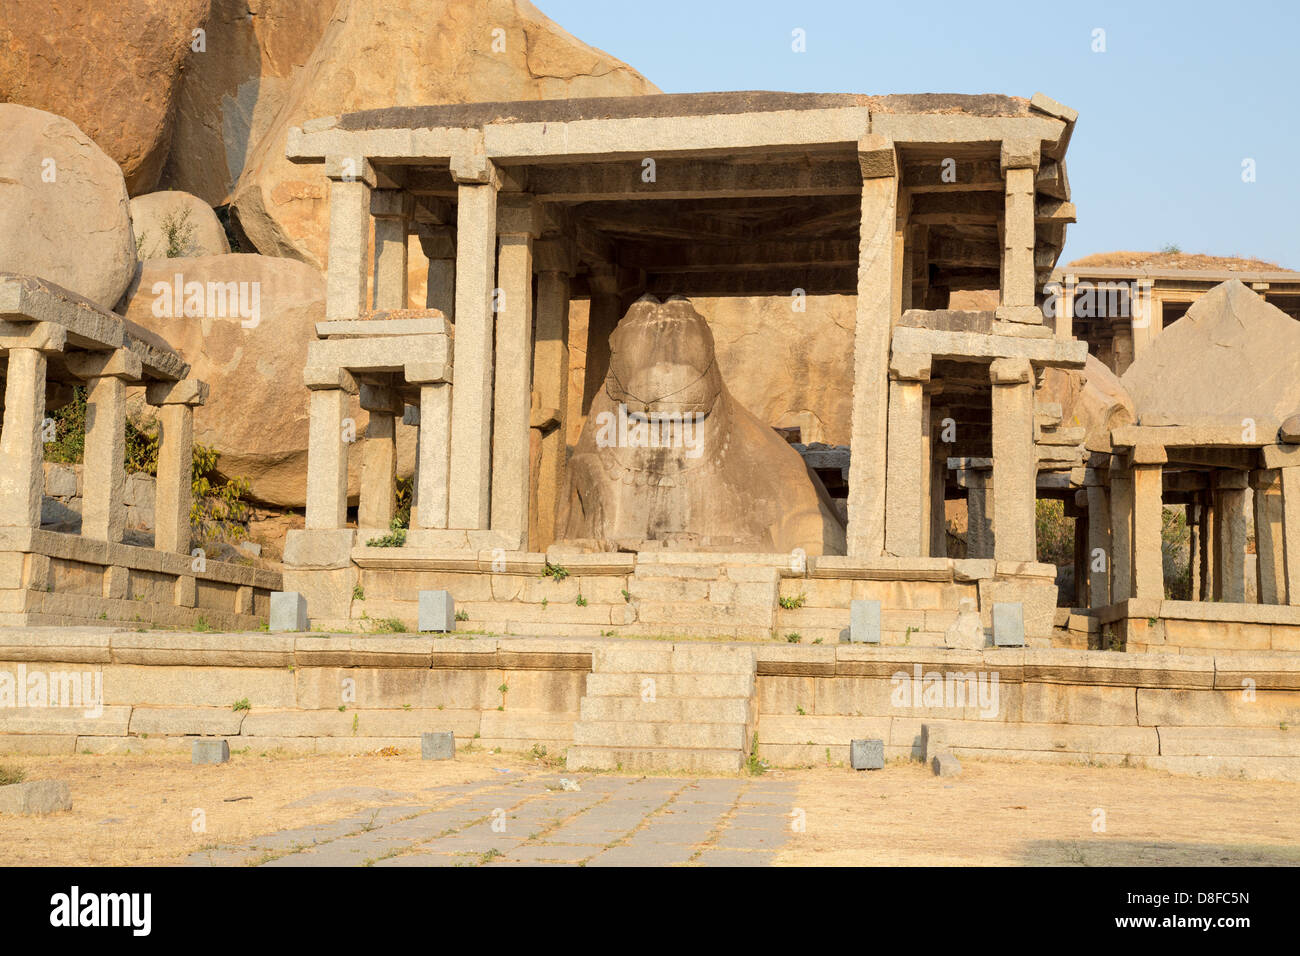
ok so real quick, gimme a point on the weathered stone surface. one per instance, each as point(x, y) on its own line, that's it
point(374, 55)
point(36, 796)
point(85, 204)
point(1093, 399)
point(256, 415)
point(967, 630)
point(114, 76)
point(867, 754)
point(180, 220)
point(288, 611)
point(438, 746)
point(720, 480)
point(1230, 337)
point(437, 611)
point(227, 100)
point(945, 765)
point(210, 751)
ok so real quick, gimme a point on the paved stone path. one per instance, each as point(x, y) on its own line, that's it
point(526, 820)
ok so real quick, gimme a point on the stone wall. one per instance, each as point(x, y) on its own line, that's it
point(1235, 715)
point(1201, 627)
point(61, 506)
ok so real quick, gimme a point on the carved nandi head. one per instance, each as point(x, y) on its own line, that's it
point(662, 361)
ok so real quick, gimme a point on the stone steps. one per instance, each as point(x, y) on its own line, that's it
point(639, 758)
point(666, 707)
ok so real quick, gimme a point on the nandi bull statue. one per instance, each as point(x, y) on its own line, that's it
point(668, 458)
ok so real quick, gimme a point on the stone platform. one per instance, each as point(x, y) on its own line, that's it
point(667, 593)
point(644, 704)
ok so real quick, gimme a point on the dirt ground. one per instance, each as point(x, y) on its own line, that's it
point(140, 809)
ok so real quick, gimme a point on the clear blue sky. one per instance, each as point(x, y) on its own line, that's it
point(1183, 93)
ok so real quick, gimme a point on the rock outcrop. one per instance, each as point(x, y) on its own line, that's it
point(374, 55)
point(1092, 398)
point(1231, 357)
point(112, 69)
point(64, 212)
point(176, 224)
point(668, 458)
point(226, 103)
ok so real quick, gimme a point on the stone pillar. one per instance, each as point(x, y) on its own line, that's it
point(518, 224)
point(345, 287)
point(1015, 463)
point(938, 486)
point(1079, 514)
point(979, 520)
point(925, 489)
point(1019, 163)
point(1269, 538)
point(173, 490)
point(378, 499)
point(469, 503)
point(603, 315)
point(438, 243)
point(1065, 309)
point(1205, 549)
point(1148, 509)
point(1121, 532)
point(103, 505)
point(327, 451)
point(1231, 526)
point(1146, 317)
point(1291, 532)
point(554, 264)
point(391, 209)
point(22, 477)
point(433, 451)
point(873, 328)
point(905, 487)
point(1099, 542)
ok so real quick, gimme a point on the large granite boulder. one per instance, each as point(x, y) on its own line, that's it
point(227, 103)
point(112, 69)
point(668, 458)
point(257, 410)
point(378, 53)
point(63, 207)
point(1232, 356)
point(177, 225)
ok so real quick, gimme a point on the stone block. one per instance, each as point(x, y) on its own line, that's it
point(932, 743)
point(867, 754)
point(864, 622)
point(288, 611)
point(945, 765)
point(1008, 625)
point(209, 751)
point(437, 611)
point(438, 746)
point(37, 796)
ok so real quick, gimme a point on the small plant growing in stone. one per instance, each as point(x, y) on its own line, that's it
point(817, 640)
point(582, 601)
point(790, 603)
point(342, 707)
point(555, 571)
point(10, 773)
point(753, 764)
point(389, 625)
point(800, 711)
point(545, 601)
point(202, 624)
point(242, 704)
point(395, 538)
point(627, 595)
point(358, 592)
point(462, 615)
point(793, 637)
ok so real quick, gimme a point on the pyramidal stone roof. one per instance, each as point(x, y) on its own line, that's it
point(1232, 356)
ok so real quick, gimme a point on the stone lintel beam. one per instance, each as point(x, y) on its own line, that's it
point(1010, 371)
point(1042, 352)
point(877, 157)
point(1231, 481)
point(120, 363)
point(1281, 456)
point(474, 168)
point(1149, 454)
point(188, 391)
point(381, 399)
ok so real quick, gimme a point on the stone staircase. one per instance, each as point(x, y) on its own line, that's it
point(667, 707)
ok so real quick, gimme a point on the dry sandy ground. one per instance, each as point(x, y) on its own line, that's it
point(139, 809)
